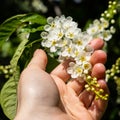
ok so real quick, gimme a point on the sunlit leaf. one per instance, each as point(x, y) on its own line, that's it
point(11, 24)
point(34, 18)
point(8, 96)
point(18, 53)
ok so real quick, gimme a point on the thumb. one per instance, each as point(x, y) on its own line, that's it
point(39, 59)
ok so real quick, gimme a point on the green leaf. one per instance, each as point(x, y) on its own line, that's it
point(32, 30)
point(8, 96)
point(18, 53)
point(10, 25)
point(34, 18)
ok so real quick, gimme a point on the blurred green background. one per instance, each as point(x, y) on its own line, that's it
point(83, 12)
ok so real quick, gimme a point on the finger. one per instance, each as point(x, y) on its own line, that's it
point(98, 71)
point(86, 97)
point(39, 59)
point(97, 43)
point(98, 56)
point(99, 106)
point(60, 71)
point(76, 86)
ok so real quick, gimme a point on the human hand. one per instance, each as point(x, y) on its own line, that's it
point(43, 96)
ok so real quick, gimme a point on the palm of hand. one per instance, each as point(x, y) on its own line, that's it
point(44, 93)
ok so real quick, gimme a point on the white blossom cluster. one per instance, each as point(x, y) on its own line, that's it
point(63, 37)
point(99, 29)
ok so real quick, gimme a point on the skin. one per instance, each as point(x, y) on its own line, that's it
point(44, 96)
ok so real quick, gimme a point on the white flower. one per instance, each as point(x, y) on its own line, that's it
point(44, 35)
point(68, 23)
point(112, 29)
point(52, 24)
point(56, 34)
point(83, 56)
point(67, 51)
point(106, 35)
point(86, 67)
point(89, 50)
point(104, 22)
point(76, 53)
point(47, 27)
point(51, 42)
point(50, 20)
point(72, 32)
point(99, 25)
point(80, 42)
point(75, 70)
point(64, 42)
point(92, 30)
